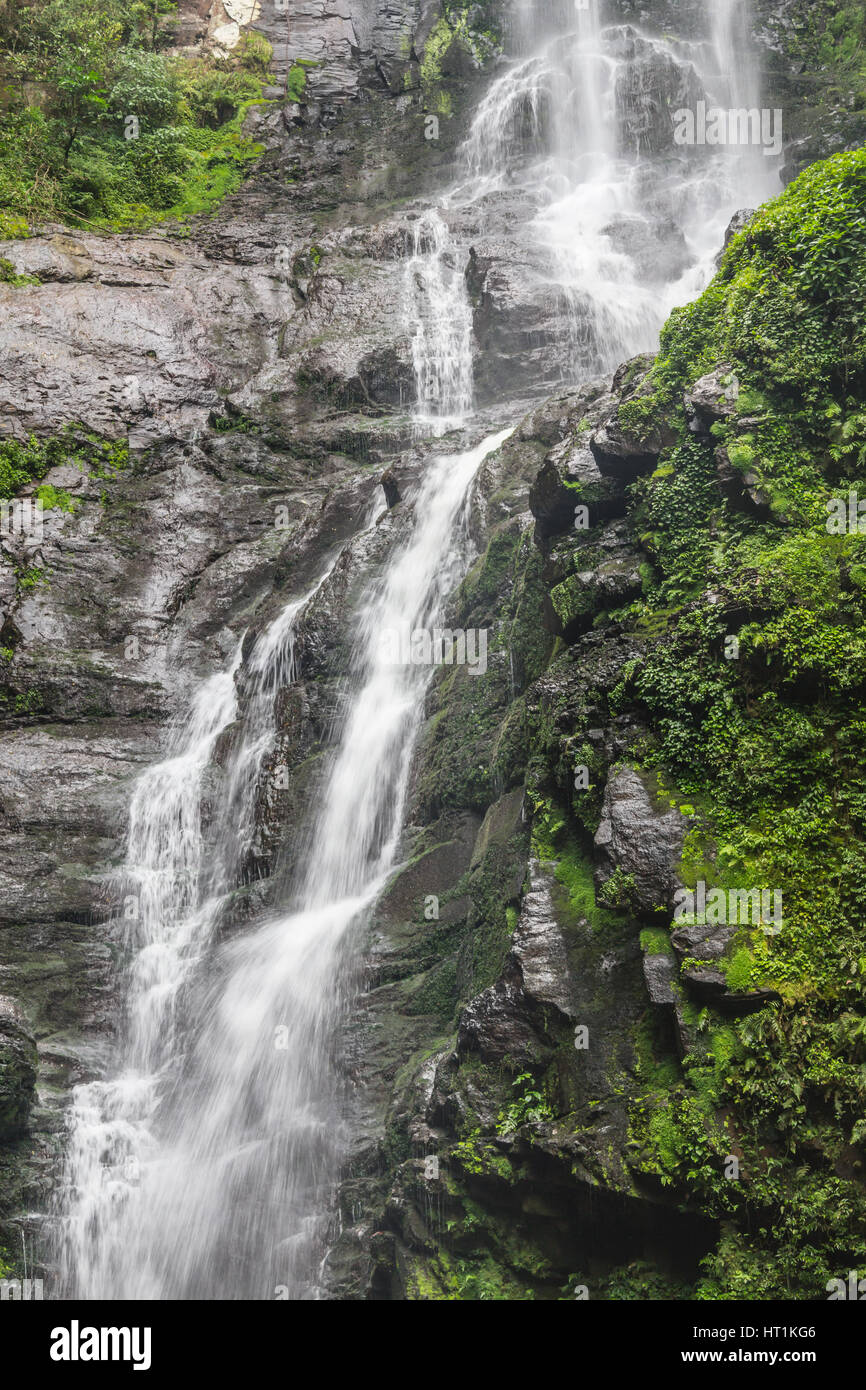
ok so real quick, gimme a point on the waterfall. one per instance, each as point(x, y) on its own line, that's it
point(620, 224)
point(205, 1168)
point(442, 338)
point(219, 1177)
point(205, 1164)
point(171, 893)
point(166, 926)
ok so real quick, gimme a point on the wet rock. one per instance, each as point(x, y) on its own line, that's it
point(706, 945)
point(709, 986)
point(17, 1070)
point(641, 839)
point(661, 975)
point(498, 1026)
point(538, 945)
point(624, 451)
point(651, 83)
point(391, 487)
point(657, 249)
point(606, 574)
point(513, 1018)
point(570, 478)
point(737, 224)
point(511, 1021)
point(738, 1005)
point(703, 940)
point(712, 398)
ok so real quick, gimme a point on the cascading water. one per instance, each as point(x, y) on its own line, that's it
point(205, 1167)
point(575, 141)
point(167, 925)
point(442, 340)
point(227, 1194)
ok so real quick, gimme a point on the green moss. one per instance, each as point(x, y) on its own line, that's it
point(297, 80)
point(31, 577)
point(765, 746)
point(654, 941)
point(9, 275)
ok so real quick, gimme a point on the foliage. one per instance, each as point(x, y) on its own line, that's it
point(766, 737)
point(25, 463)
point(125, 133)
point(529, 1107)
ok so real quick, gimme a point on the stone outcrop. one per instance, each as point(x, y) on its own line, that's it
point(258, 374)
point(639, 839)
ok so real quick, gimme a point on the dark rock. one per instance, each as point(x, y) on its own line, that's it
point(661, 975)
point(641, 838)
point(391, 487)
point(703, 940)
point(568, 478)
point(712, 398)
point(605, 575)
point(622, 452)
point(18, 1062)
point(738, 223)
point(511, 1020)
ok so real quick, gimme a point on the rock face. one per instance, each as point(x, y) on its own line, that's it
point(508, 1021)
point(257, 377)
point(229, 397)
point(17, 1070)
point(640, 841)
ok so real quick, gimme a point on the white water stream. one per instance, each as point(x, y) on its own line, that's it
point(205, 1165)
point(572, 153)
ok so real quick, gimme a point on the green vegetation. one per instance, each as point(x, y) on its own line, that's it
point(766, 736)
point(23, 464)
point(470, 31)
point(751, 683)
point(530, 1106)
point(100, 126)
point(9, 275)
point(296, 86)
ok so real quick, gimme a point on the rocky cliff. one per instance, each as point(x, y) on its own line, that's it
point(547, 1085)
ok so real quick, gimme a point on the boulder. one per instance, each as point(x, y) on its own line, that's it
point(641, 838)
point(510, 1020)
point(713, 397)
point(738, 223)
